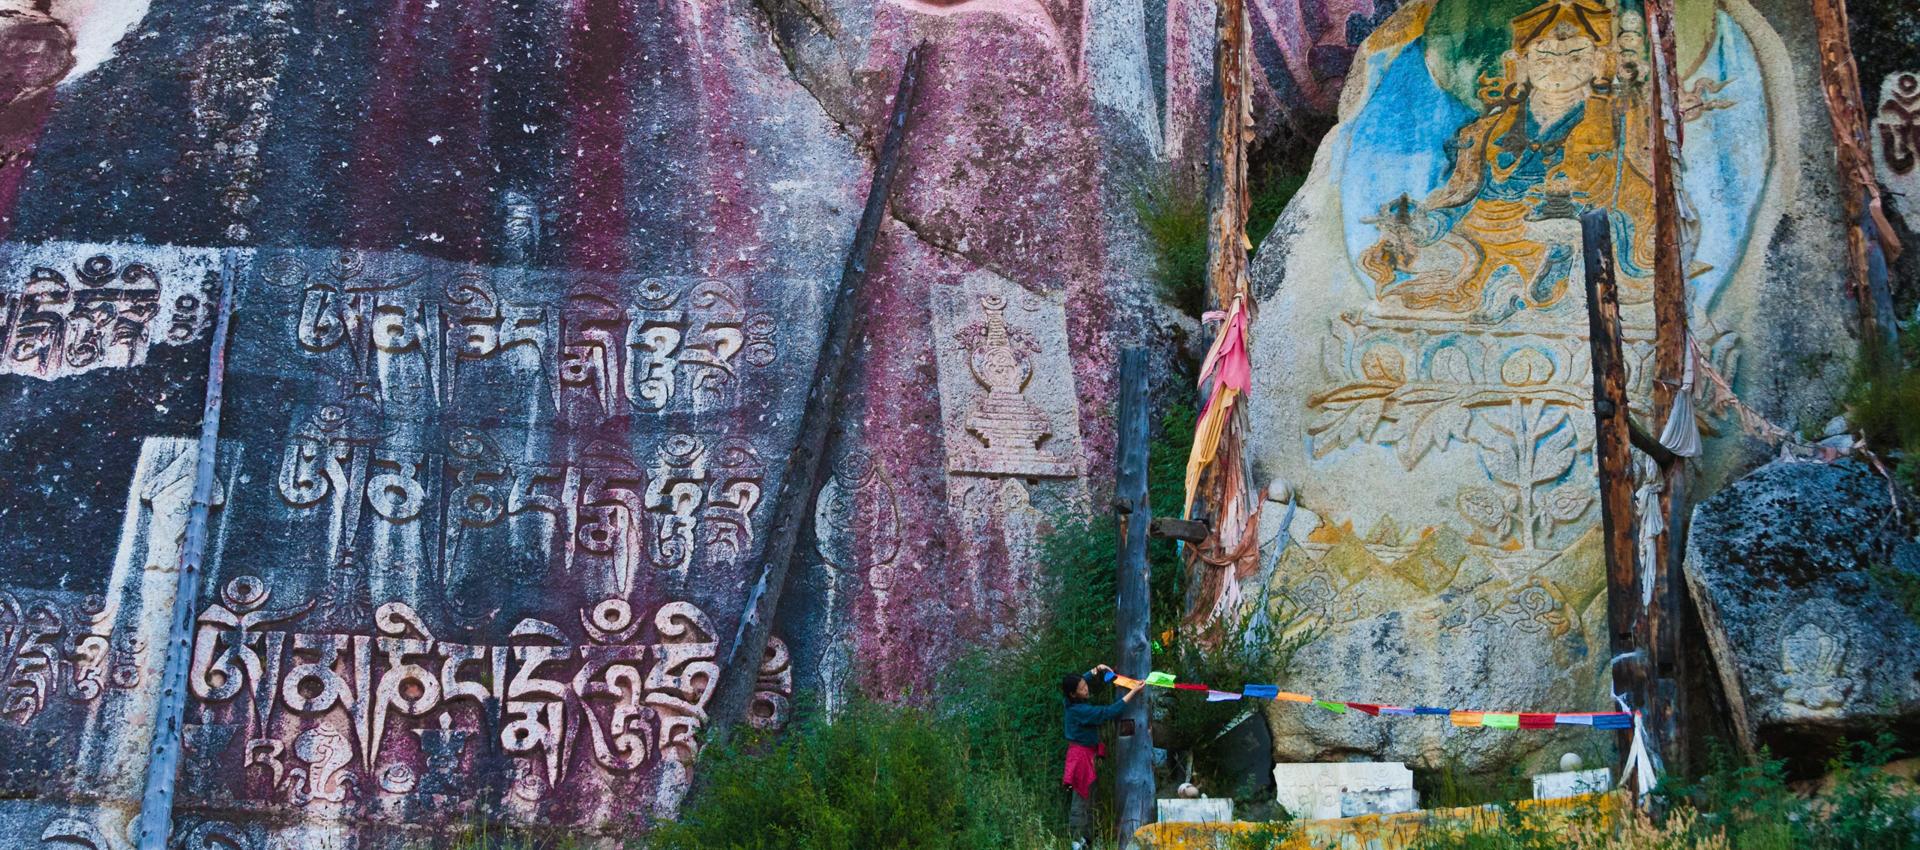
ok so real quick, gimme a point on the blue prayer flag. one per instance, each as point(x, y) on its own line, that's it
point(1261, 691)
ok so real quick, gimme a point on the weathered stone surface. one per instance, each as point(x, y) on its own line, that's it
point(1201, 810)
point(1344, 789)
point(1789, 567)
point(1571, 783)
point(1422, 372)
point(527, 297)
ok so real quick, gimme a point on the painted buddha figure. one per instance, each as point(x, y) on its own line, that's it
point(1559, 136)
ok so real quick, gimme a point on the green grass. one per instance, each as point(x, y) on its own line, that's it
point(1174, 216)
point(874, 776)
point(1881, 401)
point(1739, 805)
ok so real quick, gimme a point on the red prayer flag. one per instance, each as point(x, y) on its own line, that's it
point(1190, 686)
point(1536, 721)
point(1366, 707)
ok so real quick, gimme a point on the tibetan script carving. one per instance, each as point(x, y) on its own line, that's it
point(616, 702)
point(66, 317)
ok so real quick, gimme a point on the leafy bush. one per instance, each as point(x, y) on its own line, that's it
point(1255, 649)
point(873, 776)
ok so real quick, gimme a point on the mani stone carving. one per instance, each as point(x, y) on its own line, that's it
point(1896, 141)
point(1006, 383)
point(67, 309)
point(1795, 569)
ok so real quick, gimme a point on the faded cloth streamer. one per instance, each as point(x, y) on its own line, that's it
point(1681, 435)
point(1228, 372)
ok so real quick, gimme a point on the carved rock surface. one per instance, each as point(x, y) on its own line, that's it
point(527, 296)
point(1422, 369)
point(1794, 569)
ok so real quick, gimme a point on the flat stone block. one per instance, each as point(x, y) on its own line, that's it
point(1571, 783)
point(1201, 810)
point(1342, 789)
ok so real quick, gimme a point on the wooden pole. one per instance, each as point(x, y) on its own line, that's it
point(1867, 230)
point(1133, 788)
point(155, 822)
point(801, 481)
point(1663, 617)
point(1612, 456)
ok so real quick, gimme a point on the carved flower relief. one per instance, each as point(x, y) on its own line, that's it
point(1811, 659)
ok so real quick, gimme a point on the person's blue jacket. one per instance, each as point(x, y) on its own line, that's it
point(1083, 720)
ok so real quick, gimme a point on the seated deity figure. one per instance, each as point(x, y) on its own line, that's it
point(1564, 131)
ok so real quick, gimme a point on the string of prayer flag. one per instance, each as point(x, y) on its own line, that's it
point(1535, 720)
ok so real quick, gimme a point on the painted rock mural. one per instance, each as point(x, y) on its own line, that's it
point(1422, 375)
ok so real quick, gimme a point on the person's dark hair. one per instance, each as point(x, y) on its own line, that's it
point(1069, 686)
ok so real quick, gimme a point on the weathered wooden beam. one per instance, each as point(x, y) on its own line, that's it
point(155, 824)
point(1663, 617)
point(1612, 454)
point(1859, 194)
point(1133, 785)
point(1184, 530)
point(1650, 445)
point(803, 475)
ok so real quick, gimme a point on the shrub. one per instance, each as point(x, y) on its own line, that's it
point(1881, 399)
point(872, 776)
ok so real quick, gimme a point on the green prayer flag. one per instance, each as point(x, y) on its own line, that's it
point(1164, 680)
point(1501, 721)
point(1335, 707)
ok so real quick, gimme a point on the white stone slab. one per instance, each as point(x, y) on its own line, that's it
point(1572, 783)
point(1200, 810)
point(1342, 789)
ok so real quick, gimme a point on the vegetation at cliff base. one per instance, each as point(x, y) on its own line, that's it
point(1175, 217)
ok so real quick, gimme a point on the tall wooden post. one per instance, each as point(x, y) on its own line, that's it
point(1868, 232)
point(1612, 457)
point(800, 482)
point(155, 823)
point(1133, 788)
point(1663, 617)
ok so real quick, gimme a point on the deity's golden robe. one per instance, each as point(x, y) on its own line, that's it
point(1505, 214)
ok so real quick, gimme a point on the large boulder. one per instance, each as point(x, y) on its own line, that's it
point(1798, 571)
point(1422, 367)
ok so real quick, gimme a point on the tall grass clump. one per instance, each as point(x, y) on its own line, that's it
point(873, 776)
point(1883, 402)
point(1174, 216)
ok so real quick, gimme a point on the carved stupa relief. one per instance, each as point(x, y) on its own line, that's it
point(1006, 381)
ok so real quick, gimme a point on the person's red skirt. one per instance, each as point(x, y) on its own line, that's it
point(1080, 773)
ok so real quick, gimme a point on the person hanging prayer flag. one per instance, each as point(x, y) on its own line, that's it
point(1082, 722)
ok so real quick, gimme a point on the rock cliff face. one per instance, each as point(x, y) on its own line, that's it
point(527, 294)
point(1421, 357)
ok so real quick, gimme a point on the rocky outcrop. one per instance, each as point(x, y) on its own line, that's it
point(527, 296)
point(1421, 365)
point(1801, 572)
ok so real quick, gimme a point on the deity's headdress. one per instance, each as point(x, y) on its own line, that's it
point(1564, 19)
